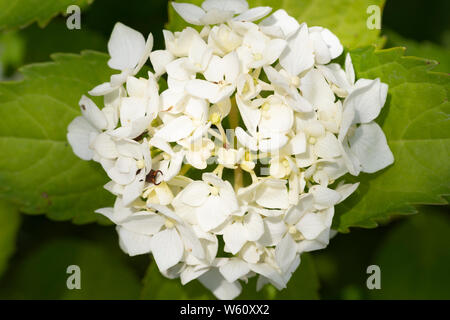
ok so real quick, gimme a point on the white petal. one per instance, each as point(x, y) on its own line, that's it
point(176, 129)
point(126, 47)
point(203, 89)
point(164, 195)
point(254, 226)
point(320, 242)
point(273, 50)
point(190, 273)
point(107, 212)
point(195, 193)
point(234, 236)
point(272, 194)
point(274, 230)
point(221, 288)
point(279, 24)
point(189, 12)
point(143, 223)
point(369, 145)
point(145, 54)
point(285, 252)
point(349, 70)
point(273, 142)
point(277, 118)
point(167, 248)
point(297, 144)
point(316, 89)
point(200, 54)
point(228, 196)
point(92, 113)
point(117, 175)
point(129, 148)
point(191, 241)
point(367, 99)
point(164, 210)
point(215, 70)
point(251, 116)
point(134, 190)
point(197, 109)
point(311, 225)
point(212, 213)
point(245, 139)
point(276, 78)
point(235, 6)
point(133, 243)
point(231, 67)
point(178, 69)
point(327, 147)
point(119, 212)
point(324, 197)
point(321, 51)
point(333, 43)
point(159, 60)
point(102, 89)
point(298, 55)
point(346, 190)
point(215, 16)
point(253, 14)
point(270, 273)
point(298, 103)
point(304, 204)
point(174, 166)
point(349, 159)
point(79, 133)
point(132, 108)
point(250, 253)
point(348, 118)
point(234, 269)
point(105, 146)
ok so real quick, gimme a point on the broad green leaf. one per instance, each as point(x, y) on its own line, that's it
point(416, 122)
point(9, 225)
point(42, 273)
point(346, 18)
point(414, 258)
point(425, 49)
point(303, 285)
point(20, 13)
point(38, 169)
point(158, 287)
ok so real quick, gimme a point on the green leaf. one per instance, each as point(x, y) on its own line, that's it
point(416, 122)
point(38, 169)
point(9, 225)
point(303, 285)
point(414, 258)
point(42, 274)
point(424, 49)
point(157, 287)
point(346, 18)
point(20, 13)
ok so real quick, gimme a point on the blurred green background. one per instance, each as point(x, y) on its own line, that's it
point(412, 252)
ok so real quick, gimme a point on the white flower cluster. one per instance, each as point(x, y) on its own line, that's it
point(307, 123)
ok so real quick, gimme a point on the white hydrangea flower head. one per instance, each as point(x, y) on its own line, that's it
point(234, 169)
